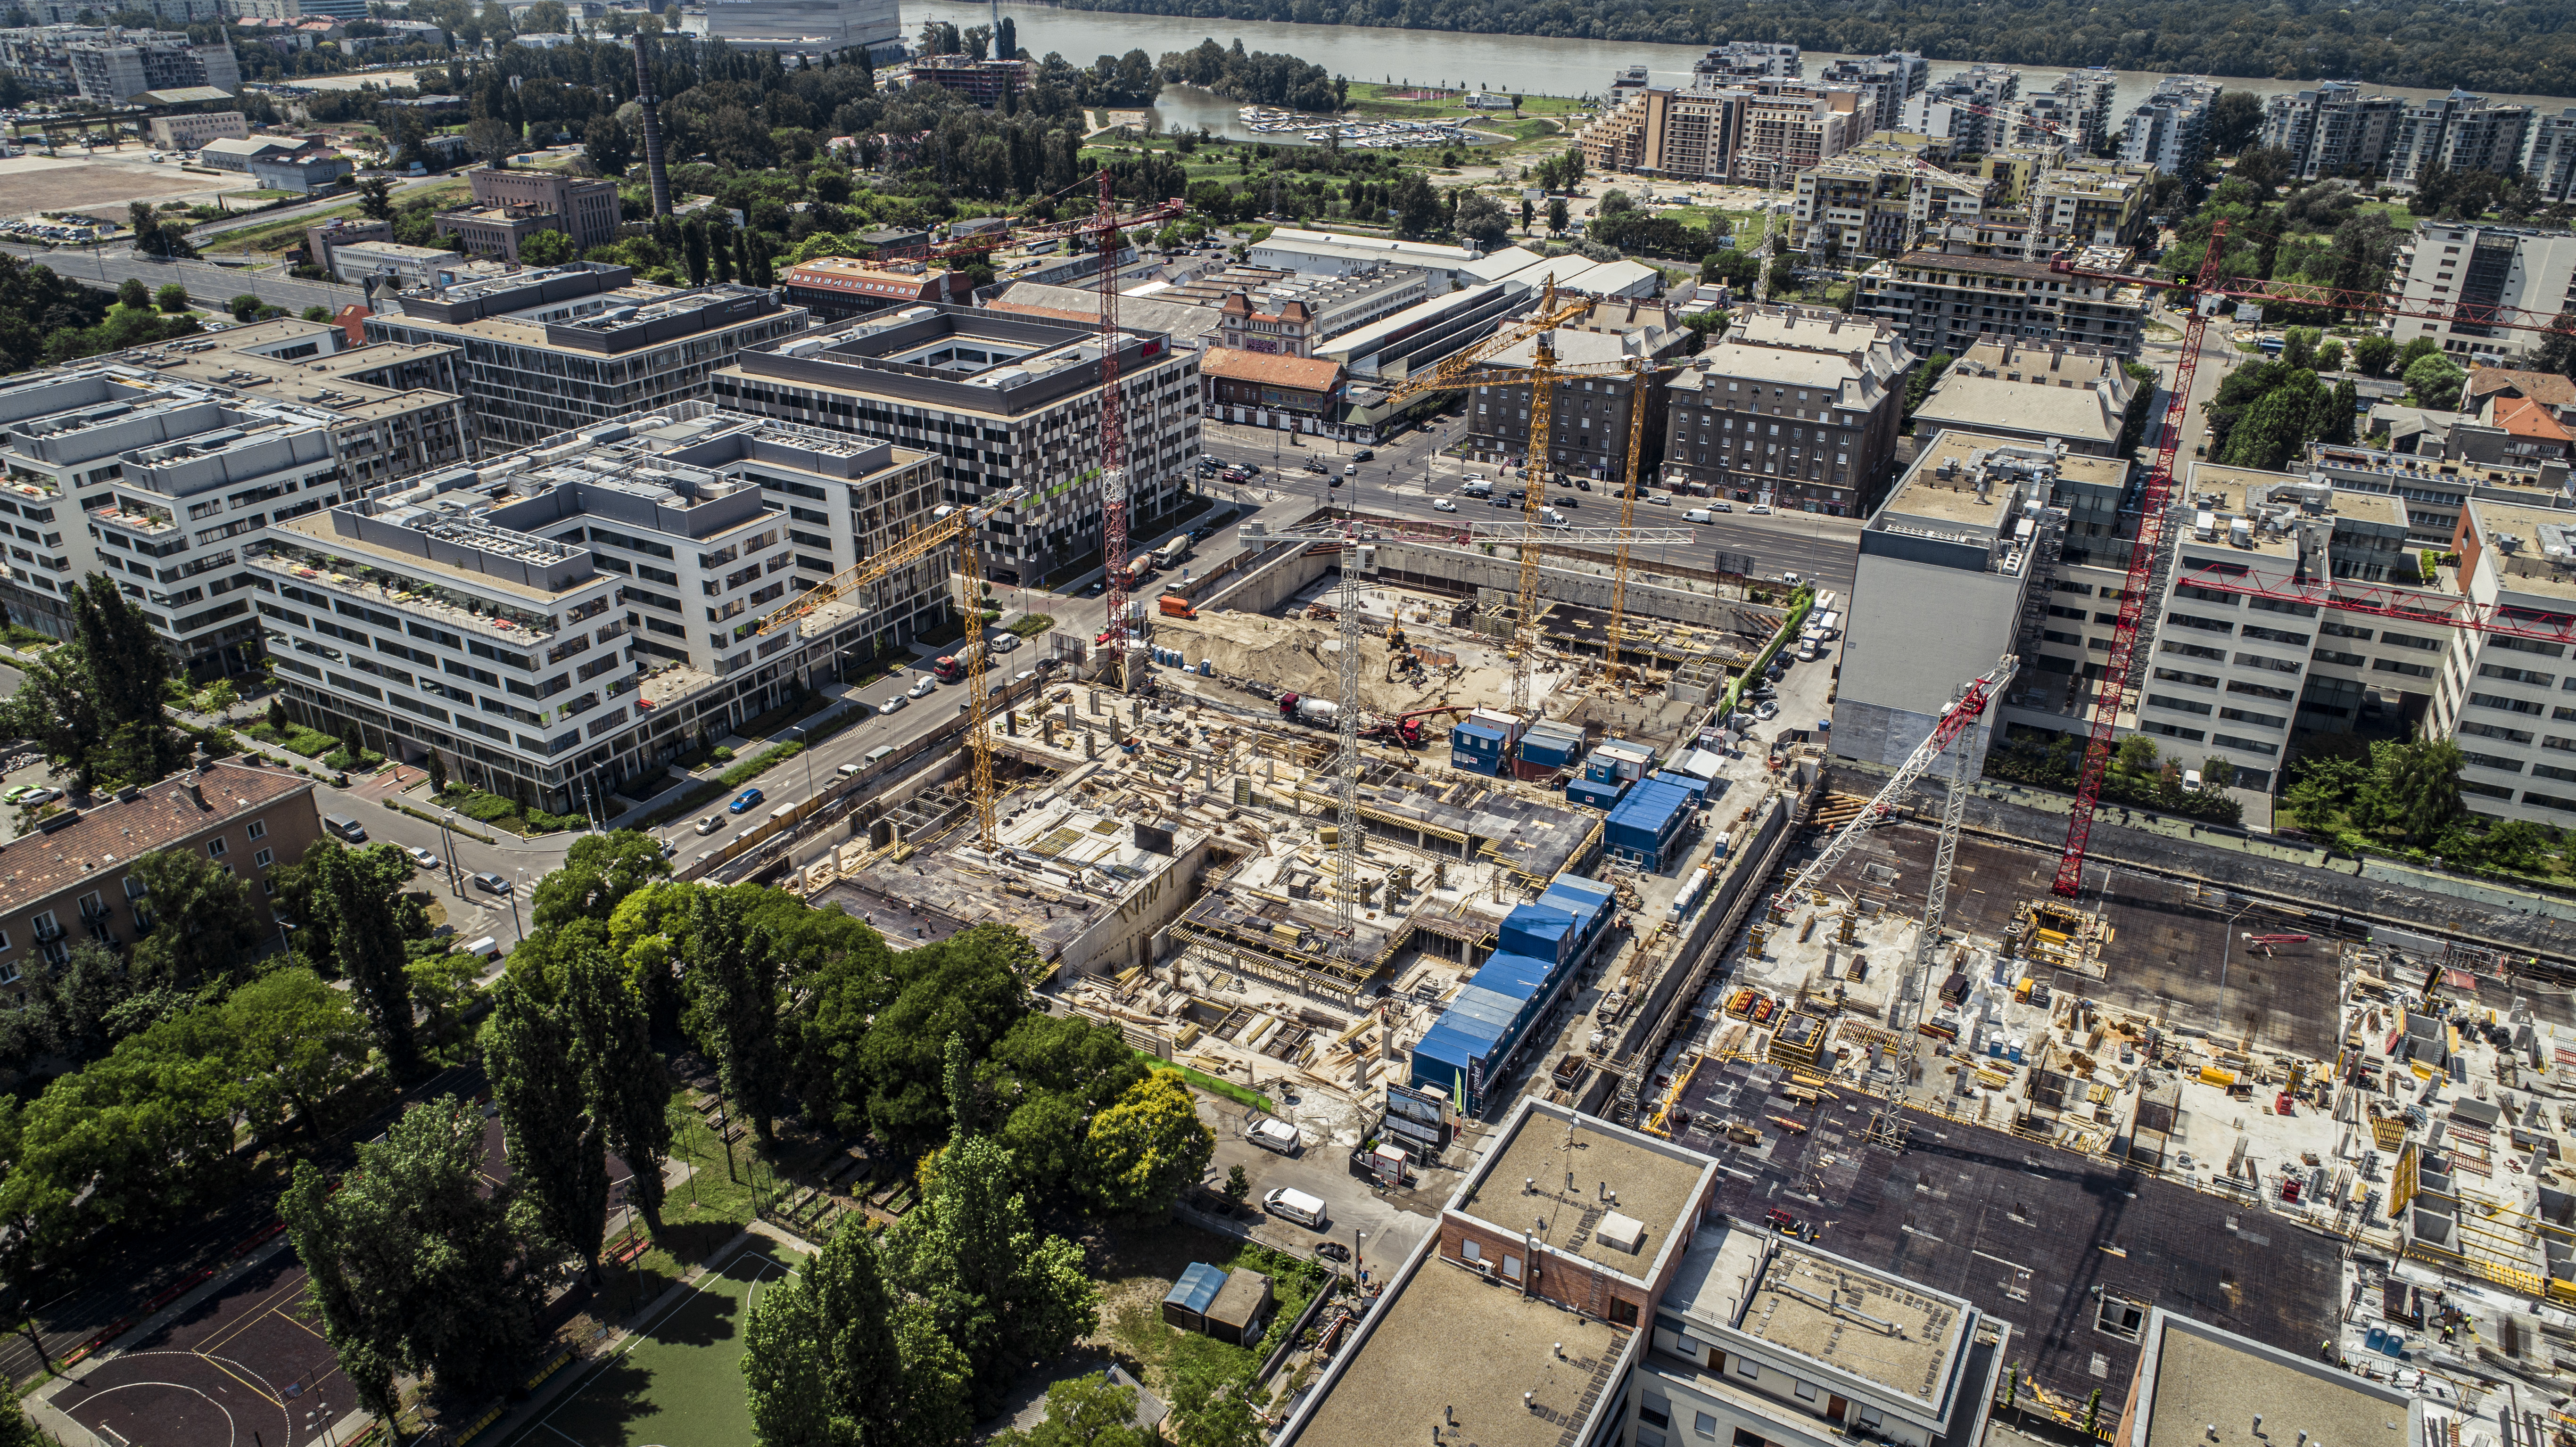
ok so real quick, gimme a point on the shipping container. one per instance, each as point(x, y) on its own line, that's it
point(1477, 747)
point(1555, 745)
point(1691, 784)
point(1647, 824)
point(1594, 795)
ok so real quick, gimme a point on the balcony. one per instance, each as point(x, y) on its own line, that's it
point(142, 524)
point(48, 931)
point(522, 630)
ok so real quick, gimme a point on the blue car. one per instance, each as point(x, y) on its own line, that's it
point(747, 799)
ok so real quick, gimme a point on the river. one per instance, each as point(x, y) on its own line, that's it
point(1530, 65)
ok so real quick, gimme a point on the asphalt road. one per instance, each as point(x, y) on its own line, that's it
point(208, 284)
point(1407, 476)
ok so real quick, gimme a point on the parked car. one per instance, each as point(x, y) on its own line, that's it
point(1096, 589)
point(746, 801)
point(895, 703)
point(1760, 509)
point(1333, 1251)
point(421, 858)
point(1350, 469)
point(923, 689)
point(491, 884)
point(1363, 454)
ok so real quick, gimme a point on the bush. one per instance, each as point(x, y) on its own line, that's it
point(311, 743)
point(722, 755)
point(485, 808)
point(759, 764)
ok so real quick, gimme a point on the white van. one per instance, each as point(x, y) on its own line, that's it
point(487, 948)
point(1476, 487)
point(1295, 1205)
point(1699, 515)
point(851, 771)
point(879, 755)
point(2191, 781)
point(1273, 1135)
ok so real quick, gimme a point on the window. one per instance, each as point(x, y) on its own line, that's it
point(258, 829)
point(1655, 1410)
point(2497, 700)
point(2262, 690)
point(2517, 675)
point(2490, 761)
point(2411, 670)
point(2210, 625)
point(2408, 640)
point(1806, 1391)
point(215, 847)
point(2548, 801)
point(2254, 746)
point(2343, 630)
point(2274, 635)
point(1869, 1417)
point(2184, 705)
point(2196, 680)
point(263, 859)
point(1470, 1251)
point(2260, 720)
point(1747, 1370)
point(1704, 1424)
point(2495, 731)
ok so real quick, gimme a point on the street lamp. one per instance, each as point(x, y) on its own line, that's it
point(805, 739)
point(518, 880)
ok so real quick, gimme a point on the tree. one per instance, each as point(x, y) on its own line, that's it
point(1214, 1409)
point(413, 1268)
point(970, 985)
point(597, 874)
point(825, 1359)
point(2371, 354)
point(605, 142)
point(1613, 201)
point(204, 926)
point(2433, 382)
point(624, 1082)
point(548, 248)
point(1481, 219)
point(558, 1153)
point(244, 307)
point(376, 198)
point(1556, 217)
point(993, 1287)
point(172, 297)
point(95, 706)
point(297, 1042)
point(693, 245)
point(1529, 214)
point(1238, 1186)
point(2235, 118)
point(733, 974)
point(2413, 789)
point(1417, 205)
point(1086, 1411)
point(1143, 1151)
point(492, 138)
point(131, 292)
point(1926, 373)
point(352, 924)
point(2323, 788)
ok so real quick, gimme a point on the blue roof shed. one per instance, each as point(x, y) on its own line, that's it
point(1646, 824)
point(1477, 746)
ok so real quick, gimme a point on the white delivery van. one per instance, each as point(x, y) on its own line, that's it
point(485, 948)
point(1699, 515)
point(1296, 1205)
point(2191, 783)
point(1273, 1135)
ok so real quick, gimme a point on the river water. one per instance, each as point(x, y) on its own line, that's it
point(1530, 65)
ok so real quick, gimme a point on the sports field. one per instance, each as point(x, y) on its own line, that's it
point(678, 1383)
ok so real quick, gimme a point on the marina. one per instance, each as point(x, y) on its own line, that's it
point(1363, 134)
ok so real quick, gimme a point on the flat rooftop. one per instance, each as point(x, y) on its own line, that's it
point(1876, 1327)
point(1944, 484)
point(2199, 1379)
point(2224, 491)
point(1454, 1341)
point(1647, 1181)
point(2529, 570)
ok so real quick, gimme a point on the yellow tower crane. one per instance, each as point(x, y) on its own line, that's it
point(949, 526)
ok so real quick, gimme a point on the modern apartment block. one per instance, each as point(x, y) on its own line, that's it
point(1737, 61)
point(1879, 200)
point(1758, 133)
point(1789, 126)
point(1011, 404)
point(1888, 80)
point(555, 350)
point(2170, 129)
point(2064, 392)
point(2334, 129)
point(2549, 158)
point(1798, 406)
point(565, 617)
point(2090, 95)
point(1947, 302)
point(2091, 203)
point(147, 467)
point(112, 72)
point(70, 882)
point(1965, 109)
point(2457, 132)
point(1618, 1306)
point(985, 82)
point(2474, 266)
point(811, 27)
point(1588, 419)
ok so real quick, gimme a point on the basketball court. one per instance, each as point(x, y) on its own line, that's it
point(246, 1367)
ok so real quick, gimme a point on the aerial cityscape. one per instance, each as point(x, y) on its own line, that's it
point(802, 723)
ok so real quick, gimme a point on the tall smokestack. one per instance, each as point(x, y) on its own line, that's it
point(652, 106)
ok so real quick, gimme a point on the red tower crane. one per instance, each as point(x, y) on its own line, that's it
point(2110, 701)
point(1113, 433)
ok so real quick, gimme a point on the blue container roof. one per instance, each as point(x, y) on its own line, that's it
point(1650, 808)
point(1578, 894)
point(1487, 1004)
point(1443, 1045)
point(1197, 1288)
point(1514, 976)
point(1690, 782)
point(1477, 731)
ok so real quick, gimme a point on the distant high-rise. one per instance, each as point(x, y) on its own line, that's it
point(817, 26)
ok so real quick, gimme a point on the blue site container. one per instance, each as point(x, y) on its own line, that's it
point(1695, 785)
point(1647, 824)
point(1477, 748)
point(1593, 795)
point(1540, 929)
point(1551, 745)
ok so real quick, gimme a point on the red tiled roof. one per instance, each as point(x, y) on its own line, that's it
point(1271, 369)
point(352, 319)
point(106, 835)
point(2525, 417)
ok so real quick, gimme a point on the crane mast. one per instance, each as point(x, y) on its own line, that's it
point(1113, 437)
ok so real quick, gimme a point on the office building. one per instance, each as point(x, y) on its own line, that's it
point(513, 205)
point(1797, 406)
point(1329, 253)
point(1946, 302)
point(562, 618)
point(984, 82)
point(2170, 129)
point(2459, 269)
point(2549, 156)
point(1612, 1301)
point(71, 882)
point(188, 132)
point(837, 288)
point(2456, 132)
point(303, 175)
point(1588, 419)
point(2333, 130)
point(1888, 80)
point(1878, 200)
point(392, 266)
point(2069, 393)
point(147, 465)
point(113, 71)
point(553, 351)
point(811, 27)
point(2194, 1381)
point(1010, 404)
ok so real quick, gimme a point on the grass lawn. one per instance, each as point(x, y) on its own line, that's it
point(1240, 1095)
point(679, 1380)
point(1143, 1265)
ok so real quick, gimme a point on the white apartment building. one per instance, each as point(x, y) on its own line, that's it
point(572, 615)
point(150, 465)
point(2333, 130)
point(2460, 267)
point(2457, 132)
point(2170, 130)
point(2549, 155)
